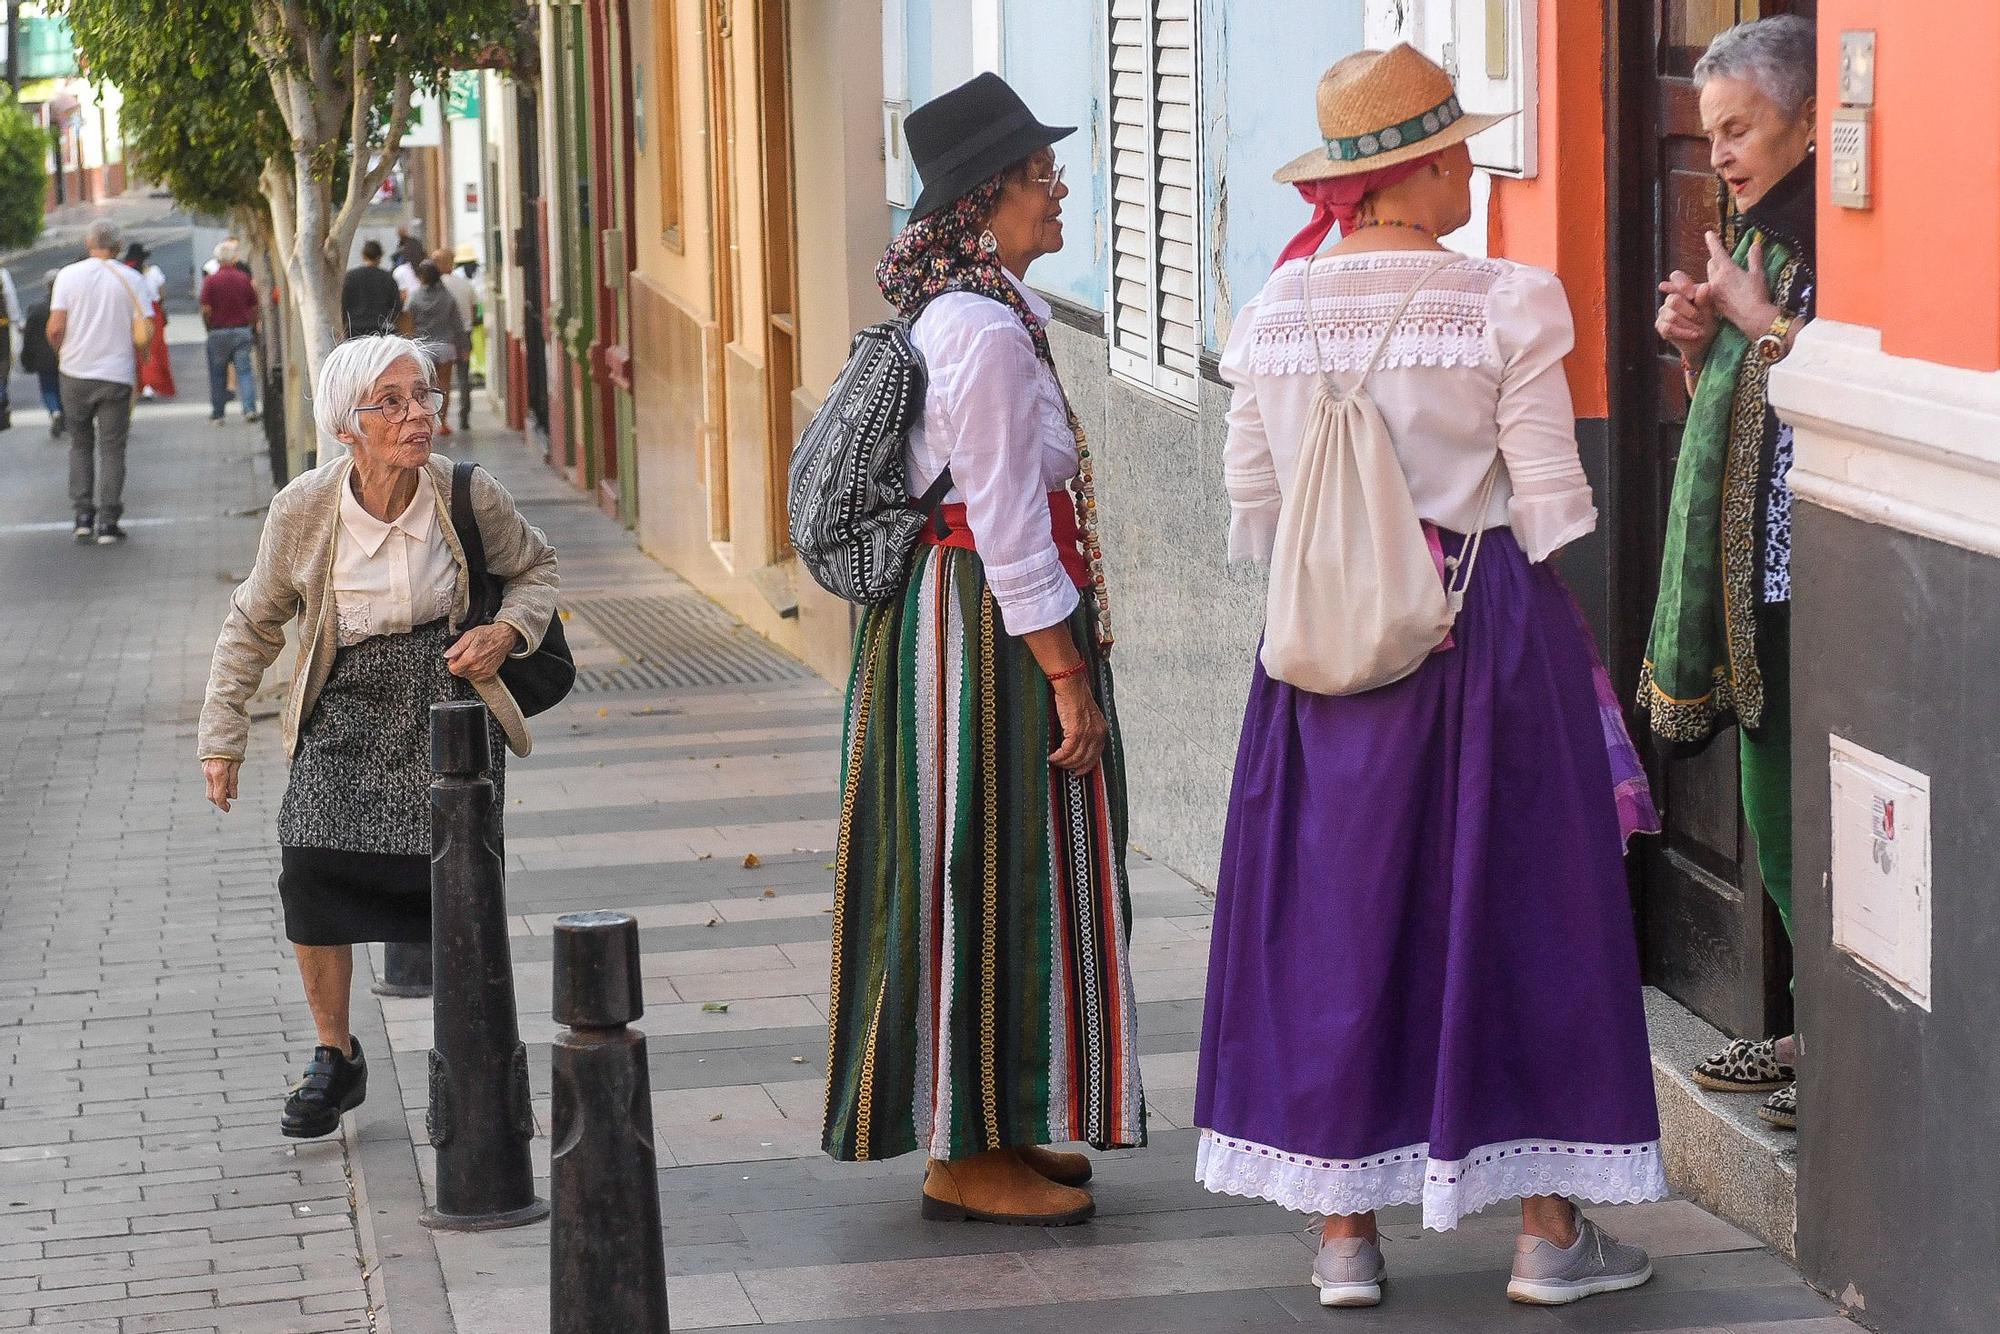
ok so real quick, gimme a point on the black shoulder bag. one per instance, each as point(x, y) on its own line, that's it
point(540, 680)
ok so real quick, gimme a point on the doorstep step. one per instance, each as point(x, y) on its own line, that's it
point(1718, 1152)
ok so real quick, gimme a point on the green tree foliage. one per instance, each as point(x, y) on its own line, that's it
point(24, 150)
point(199, 116)
point(343, 73)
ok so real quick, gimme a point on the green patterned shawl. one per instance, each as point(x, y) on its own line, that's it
point(1701, 668)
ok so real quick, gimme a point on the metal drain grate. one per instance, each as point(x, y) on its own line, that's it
point(679, 639)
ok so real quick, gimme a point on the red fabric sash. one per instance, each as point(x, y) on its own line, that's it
point(1063, 527)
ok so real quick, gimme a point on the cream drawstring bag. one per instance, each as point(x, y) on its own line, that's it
point(1356, 600)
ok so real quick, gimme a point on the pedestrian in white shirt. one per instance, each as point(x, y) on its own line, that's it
point(100, 326)
point(1003, 610)
point(466, 297)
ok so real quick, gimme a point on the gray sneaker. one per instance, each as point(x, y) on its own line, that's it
point(1349, 1272)
point(1547, 1275)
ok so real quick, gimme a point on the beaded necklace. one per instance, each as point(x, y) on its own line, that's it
point(1365, 224)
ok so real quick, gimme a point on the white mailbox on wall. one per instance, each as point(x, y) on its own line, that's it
point(1488, 47)
point(1881, 866)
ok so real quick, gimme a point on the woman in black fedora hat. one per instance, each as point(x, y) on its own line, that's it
point(982, 1003)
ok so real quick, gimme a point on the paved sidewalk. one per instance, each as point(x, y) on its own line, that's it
point(156, 1017)
point(652, 797)
point(150, 1016)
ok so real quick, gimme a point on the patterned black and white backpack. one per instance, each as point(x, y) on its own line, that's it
point(853, 522)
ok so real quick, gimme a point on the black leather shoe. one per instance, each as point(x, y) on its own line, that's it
point(333, 1084)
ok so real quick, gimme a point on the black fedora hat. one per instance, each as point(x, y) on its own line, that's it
point(976, 130)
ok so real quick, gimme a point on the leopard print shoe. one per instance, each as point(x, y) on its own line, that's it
point(1744, 1066)
point(1781, 1109)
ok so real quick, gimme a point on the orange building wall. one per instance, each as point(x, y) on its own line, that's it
point(1923, 263)
point(1556, 220)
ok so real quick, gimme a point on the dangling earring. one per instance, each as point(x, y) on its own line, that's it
point(988, 242)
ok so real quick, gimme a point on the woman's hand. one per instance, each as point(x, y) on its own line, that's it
point(1687, 317)
point(1084, 730)
point(479, 651)
point(221, 776)
point(1739, 294)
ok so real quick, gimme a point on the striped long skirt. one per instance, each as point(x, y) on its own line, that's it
point(982, 991)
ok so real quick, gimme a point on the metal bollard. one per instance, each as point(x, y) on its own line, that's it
point(480, 1119)
point(607, 1269)
point(406, 969)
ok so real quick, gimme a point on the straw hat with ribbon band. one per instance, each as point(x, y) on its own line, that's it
point(971, 134)
point(1383, 115)
point(1380, 108)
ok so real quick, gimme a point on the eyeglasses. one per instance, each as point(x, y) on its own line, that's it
point(396, 409)
point(1052, 180)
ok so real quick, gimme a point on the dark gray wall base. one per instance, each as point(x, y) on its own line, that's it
point(1899, 1185)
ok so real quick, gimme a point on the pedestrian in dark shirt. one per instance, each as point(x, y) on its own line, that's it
point(229, 308)
point(39, 357)
point(369, 297)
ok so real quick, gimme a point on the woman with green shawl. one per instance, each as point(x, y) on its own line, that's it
point(1719, 652)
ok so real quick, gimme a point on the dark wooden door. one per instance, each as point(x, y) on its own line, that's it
point(531, 249)
point(1708, 936)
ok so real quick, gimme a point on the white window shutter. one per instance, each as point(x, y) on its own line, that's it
point(1155, 302)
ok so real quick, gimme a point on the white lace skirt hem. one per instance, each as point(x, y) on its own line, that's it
point(1597, 1173)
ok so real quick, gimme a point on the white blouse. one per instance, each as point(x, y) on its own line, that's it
point(994, 412)
point(390, 577)
point(1474, 366)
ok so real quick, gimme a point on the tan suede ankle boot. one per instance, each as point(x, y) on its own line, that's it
point(997, 1187)
point(1065, 1169)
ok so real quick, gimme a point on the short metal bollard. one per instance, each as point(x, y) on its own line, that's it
point(607, 1269)
point(406, 969)
point(480, 1120)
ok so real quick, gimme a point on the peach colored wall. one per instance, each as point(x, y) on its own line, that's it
point(1923, 263)
point(1556, 220)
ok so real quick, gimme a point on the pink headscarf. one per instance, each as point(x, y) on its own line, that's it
point(1337, 200)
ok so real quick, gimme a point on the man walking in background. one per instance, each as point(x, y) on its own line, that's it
point(100, 327)
point(466, 297)
point(369, 298)
point(229, 308)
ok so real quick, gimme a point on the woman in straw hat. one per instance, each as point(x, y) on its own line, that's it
point(1423, 985)
point(982, 1002)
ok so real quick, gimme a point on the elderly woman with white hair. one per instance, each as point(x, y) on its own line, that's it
point(361, 553)
point(1720, 648)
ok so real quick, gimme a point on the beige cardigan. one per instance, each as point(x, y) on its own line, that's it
point(293, 578)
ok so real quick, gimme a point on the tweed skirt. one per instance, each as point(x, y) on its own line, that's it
point(354, 828)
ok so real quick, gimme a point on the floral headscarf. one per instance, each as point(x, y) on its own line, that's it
point(940, 253)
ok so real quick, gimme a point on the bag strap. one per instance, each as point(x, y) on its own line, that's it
point(1460, 566)
point(1396, 319)
point(466, 523)
point(138, 312)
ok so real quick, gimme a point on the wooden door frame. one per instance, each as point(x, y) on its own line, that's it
point(781, 260)
point(718, 89)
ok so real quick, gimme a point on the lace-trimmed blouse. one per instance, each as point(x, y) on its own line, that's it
point(389, 578)
point(1474, 366)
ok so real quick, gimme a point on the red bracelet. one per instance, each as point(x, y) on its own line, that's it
point(1064, 675)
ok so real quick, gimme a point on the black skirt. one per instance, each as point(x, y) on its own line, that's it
point(355, 824)
point(334, 897)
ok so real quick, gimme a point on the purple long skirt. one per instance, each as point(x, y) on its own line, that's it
point(1424, 983)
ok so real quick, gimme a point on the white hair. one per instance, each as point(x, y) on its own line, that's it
point(351, 370)
point(225, 251)
point(1778, 55)
point(102, 234)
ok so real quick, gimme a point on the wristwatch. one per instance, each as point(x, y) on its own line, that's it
point(1771, 345)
